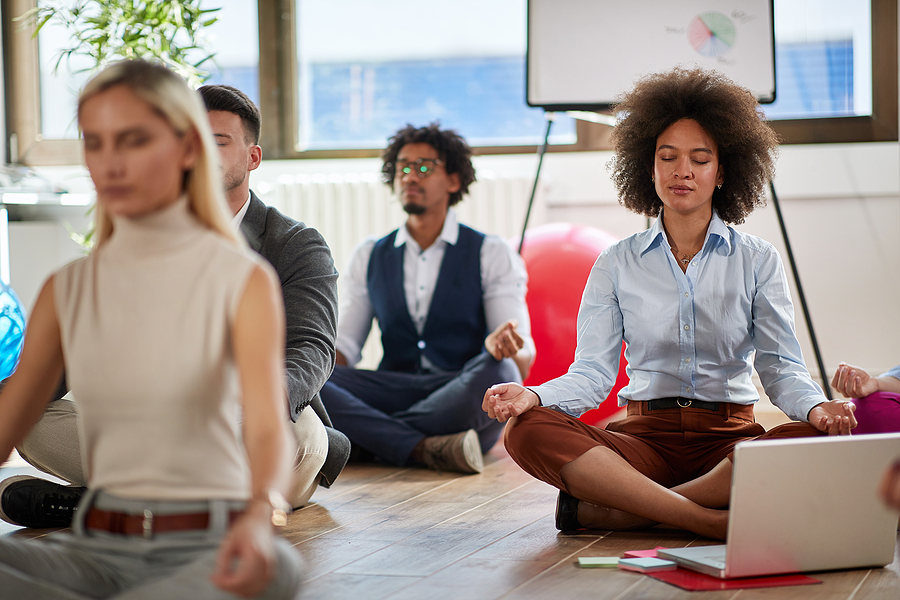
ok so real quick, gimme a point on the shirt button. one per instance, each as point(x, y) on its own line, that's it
point(686, 295)
point(421, 344)
point(687, 360)
point(687, 327)
point(687, 389)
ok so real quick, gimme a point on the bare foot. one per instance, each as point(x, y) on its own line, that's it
point(594, 516)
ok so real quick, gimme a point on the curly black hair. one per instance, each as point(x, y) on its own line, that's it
point(729, 113)
point(452, 149)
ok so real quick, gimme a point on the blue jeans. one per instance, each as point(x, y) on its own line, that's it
point(388, 413)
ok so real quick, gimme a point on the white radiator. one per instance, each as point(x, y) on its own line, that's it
point(346, 208)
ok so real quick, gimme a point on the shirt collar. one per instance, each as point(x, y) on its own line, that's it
point(657, 235)
point(718, 228)
point(449, 232)
point(236, 220)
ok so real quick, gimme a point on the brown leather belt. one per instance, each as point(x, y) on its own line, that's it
point(662, 403)
point(148, 523)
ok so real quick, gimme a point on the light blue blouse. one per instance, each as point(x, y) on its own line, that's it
point(697, 334)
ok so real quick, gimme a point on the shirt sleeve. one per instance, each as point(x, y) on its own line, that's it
point(504, 282)
point(895, 373)
point(309, 286)
point(779, 360)
point(600, 332)
point(355, 310)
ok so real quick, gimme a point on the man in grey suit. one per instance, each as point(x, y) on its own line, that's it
point(308, 281)
point(308, 278)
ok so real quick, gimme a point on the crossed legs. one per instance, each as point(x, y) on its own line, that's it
point(624, 498)
point(53, 446)
point(389, 413)
point(671, 467)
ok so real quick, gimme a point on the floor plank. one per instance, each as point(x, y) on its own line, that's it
point(386, 533)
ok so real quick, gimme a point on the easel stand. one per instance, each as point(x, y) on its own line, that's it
point(801, 295)
point(541, 152)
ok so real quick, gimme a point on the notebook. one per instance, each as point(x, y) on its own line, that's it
point(800, 505)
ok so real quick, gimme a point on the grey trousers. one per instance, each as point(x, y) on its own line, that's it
point(82, 565)
point(53, 447)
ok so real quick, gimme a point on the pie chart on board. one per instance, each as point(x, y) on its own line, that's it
point(711, 34)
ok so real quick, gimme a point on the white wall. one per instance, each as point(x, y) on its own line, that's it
point(841, 204)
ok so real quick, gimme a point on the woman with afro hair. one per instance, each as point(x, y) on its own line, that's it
point(698, 304)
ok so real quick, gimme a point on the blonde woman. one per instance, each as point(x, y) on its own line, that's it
point(171, 336)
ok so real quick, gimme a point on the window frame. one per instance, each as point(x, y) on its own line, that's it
point(278, 75)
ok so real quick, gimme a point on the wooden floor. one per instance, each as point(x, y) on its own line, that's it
point(391, 533)
point(387, 533)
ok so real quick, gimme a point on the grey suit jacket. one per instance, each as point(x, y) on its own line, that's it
point(305, 267)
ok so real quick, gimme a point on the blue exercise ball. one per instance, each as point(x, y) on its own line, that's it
point(12, 330)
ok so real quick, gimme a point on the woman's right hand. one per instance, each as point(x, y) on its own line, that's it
point(246, 559)
point(506, 400)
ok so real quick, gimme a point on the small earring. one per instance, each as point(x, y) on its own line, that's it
point(719, 186)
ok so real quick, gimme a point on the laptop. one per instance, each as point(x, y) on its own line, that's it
point(803, 504)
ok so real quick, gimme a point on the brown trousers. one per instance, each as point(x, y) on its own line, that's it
point(670, 446)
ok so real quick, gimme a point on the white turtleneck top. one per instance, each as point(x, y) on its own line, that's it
point(146, 323)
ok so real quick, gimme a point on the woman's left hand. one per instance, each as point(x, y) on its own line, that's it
point(246, 560)
point(834, 417)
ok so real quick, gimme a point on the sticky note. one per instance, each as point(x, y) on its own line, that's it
point(643, 553)
point(646, 564)
point(598, 561)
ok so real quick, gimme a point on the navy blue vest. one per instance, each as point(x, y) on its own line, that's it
point(455, 327)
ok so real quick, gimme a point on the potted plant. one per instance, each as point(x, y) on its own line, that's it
point(108, 30)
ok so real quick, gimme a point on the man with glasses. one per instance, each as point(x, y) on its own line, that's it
point(450, 303)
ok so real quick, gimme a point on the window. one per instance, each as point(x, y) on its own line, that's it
point(823, 60)
point(46, 130)
point(370, 68)
point(342, 99)
point(235, 40)
point(846, 48)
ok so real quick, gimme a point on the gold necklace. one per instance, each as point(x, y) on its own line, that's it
point(685, 258)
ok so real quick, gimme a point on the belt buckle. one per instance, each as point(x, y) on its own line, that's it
point(147, 524)
point(688, 400)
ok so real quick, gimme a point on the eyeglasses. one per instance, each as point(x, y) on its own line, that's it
point(421, 166)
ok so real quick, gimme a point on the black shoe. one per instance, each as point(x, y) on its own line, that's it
point(32, 502)
point(567, 512)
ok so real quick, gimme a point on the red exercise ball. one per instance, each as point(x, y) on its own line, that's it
point(558, 258)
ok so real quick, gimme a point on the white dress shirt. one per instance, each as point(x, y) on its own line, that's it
point(236, 220)
point(503, 281)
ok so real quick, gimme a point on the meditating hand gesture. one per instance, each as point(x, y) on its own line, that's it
point(834, 417)
point(854, 382)
point(505, 341)
point(506, 400)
